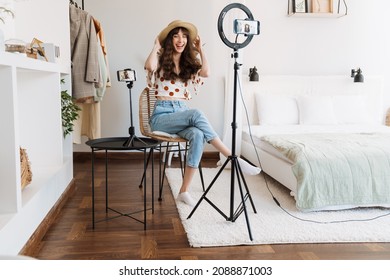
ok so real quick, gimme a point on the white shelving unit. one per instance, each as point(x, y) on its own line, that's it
point(30, 117)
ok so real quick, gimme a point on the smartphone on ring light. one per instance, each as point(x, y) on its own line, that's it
point(246, 27)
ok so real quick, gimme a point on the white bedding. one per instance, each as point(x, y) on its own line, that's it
point(276, 164)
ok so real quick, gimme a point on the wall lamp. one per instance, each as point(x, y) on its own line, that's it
point(253, 75)
point(357, 75)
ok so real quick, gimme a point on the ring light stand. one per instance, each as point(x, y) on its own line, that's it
point(235, 166)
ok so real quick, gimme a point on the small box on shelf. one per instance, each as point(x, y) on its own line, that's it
point(52, 52)
point(322, 6)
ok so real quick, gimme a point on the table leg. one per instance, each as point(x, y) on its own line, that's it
point(148, 152)
point(93, 187)
point(145, 169)
point(106, 182)
point(152, 155)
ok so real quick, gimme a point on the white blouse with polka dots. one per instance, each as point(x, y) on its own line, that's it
point(176, 89)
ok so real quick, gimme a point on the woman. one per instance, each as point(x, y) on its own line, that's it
point(174, 68)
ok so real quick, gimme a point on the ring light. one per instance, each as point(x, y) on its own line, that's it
point(233, 45)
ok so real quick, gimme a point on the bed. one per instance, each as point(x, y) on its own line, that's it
point(323, 138)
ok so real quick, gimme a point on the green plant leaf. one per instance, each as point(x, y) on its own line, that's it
point(69, 111)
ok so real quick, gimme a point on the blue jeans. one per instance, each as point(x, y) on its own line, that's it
point(174, 117)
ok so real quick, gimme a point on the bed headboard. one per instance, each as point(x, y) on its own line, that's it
point(291, 85)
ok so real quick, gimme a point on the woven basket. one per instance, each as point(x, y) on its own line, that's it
point(25, 169)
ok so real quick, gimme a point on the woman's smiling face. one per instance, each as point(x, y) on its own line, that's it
point(179, 41)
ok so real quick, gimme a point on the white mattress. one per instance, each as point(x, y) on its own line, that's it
point(275, 163)
point(258, 131)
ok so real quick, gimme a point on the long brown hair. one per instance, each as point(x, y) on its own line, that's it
point(189, 64)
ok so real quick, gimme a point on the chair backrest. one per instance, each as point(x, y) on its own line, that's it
point(146, 106)
point(147, 100)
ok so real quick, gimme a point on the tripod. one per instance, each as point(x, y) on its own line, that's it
point(235, 170)
point(132, 137)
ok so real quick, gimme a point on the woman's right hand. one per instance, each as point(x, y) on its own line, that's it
point(152, 60)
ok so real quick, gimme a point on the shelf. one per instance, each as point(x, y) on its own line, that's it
point(335, 9)
point(23, 62)
point(316, 15)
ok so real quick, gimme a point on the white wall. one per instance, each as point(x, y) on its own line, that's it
point(45, 28)
point(286, 45)
point(321, 46)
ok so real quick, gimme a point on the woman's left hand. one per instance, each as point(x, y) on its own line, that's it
point(198, 44)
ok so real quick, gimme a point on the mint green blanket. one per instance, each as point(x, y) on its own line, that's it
point(338, 169)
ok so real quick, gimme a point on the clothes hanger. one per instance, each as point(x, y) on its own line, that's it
point(71, 2)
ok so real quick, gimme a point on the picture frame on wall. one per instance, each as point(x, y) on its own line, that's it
point(322, 6)
point(299, 6)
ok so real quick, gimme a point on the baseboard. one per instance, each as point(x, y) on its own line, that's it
point(33, 243)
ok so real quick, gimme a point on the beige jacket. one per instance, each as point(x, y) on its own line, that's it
point(85, 66)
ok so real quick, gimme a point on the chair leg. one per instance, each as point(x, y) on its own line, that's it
point(160, 159)
point(170, 158)
point(165, 151)
point(162, 175)
point(180, 159)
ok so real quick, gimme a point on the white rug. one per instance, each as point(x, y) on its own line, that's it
point(271, 225)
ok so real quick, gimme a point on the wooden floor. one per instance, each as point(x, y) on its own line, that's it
point(72, 238)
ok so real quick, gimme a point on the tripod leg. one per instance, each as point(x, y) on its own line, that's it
point(207, 190)
point(246, 187)
point(201, 175)
point(129, 141)
point(238, 173)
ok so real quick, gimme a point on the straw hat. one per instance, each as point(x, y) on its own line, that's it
point(178, 23)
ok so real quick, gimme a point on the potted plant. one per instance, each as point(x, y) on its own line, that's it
point(4, 12)
point(69, 111)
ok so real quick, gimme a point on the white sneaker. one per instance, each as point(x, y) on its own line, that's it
point(186, 198)
point(247, 168)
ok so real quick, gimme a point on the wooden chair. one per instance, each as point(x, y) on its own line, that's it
point(169, 143)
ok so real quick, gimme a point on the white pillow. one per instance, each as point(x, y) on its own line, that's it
point(316, 110)
point(351, 109)
point(276, 109)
